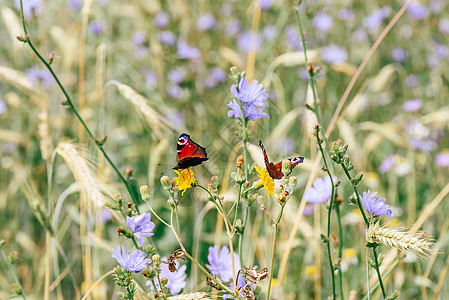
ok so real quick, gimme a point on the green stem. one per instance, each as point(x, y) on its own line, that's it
point(340, 249)
point(356, 194)
point(237, 207)
point(13, 272)
point(245, 220)
point(276, 229)
point(160, 286)
point(72, 106)
point(388, 272)
point(378, 273)
point(329, 214)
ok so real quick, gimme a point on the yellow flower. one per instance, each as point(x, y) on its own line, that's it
point(265, 180)
point(185, 179)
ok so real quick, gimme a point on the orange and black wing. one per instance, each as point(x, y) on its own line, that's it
point(189, 153)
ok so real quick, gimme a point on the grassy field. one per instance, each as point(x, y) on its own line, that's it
point(95, 97)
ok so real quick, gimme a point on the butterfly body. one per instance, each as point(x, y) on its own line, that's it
point(275, 170)
point(190, 154)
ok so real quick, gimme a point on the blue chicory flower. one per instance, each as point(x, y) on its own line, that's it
point(245, 42)
point(40, 77)
point(399, 54)
point(412, 105)
point(417, 10)
point(216, 75)
point(387, 164)
point(141, 225)
point(375, 205)
point(205, 22)
point(174, 91)
point(334, 54)
point(161, 19)
point(265, 4)
point(167, 37)
point(96, 27)
point(220, 262)
point(322, 22)
point(185, 51)
point(375, 19)
point(135, 262)
point(253, 97)
point(443, 26)
point(176, 281)
point(321, 190)
point(442, 159)
point(31, 7)
point(177, 75)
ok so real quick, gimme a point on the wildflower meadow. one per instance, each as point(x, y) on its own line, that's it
point(236, 149)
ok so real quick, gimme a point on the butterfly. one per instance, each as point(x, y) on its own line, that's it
point(275, 170)
point(189, 153)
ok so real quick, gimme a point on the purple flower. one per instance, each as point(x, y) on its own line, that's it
point(387, 164)
point(177, 75)
point(161, 19)
point(412, 105)
point(360, 35)
point(220, 262)
point(333, 54)
point(176, 281)
point(420, 137)
point(30, 7)
point(417, 10)
point(233, 28)
point(246, 40)
point(39, 76)
point(3, 107)
point(346, 14)
point(293, 40)
point(321, 191)
point(412, 80)
point(167, 37)
point(442, 159)
point(443, 25)
point(216, 76)
point(135, 262)
point(174, 91)
point(75, 4)
point(399, 54)
point(205, 22)
point(252, 112)
point(187, 52)
point(151, 79)
point(373, 21)
point(139, 37)
point(265, 4)
point(441, 50)
point(322, 22)
point(375, 205)
point(141, 225)
point(254, 93)
point(308, 209)
point(96, 27)
point(270, 32)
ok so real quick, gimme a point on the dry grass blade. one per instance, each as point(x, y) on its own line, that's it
point(82, 172)
point(191, 296)
point(160, 125)
point(17, 78)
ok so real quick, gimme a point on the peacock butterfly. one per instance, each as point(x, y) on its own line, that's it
point(275, 170)
point(189, 153)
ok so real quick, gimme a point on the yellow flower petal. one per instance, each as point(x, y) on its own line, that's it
point(185, 179)
point(265, 180)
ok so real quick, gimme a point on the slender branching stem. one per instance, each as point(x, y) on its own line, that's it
point(376, 261)
point(340, 249)
point(160, 286)
point(13, 272)
point(69, 102)
point(276, 229)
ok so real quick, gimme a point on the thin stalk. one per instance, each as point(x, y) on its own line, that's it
point(276, 229)
point(245, 219)
point(356, 194)
point(69, 102)
point(13, 272)
point(384, 294)
point(340, 249)
point(329, 214)
point(160, 286)
point(387, 272)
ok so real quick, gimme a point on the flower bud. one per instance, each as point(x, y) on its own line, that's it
point(278, 190)
point(2, 243)
point(16, 288)
point(286, 166)
point(293, 181)
point(215, 181)
point(156, 258)
point(260, 199)
point(166, 183)
point(145, 193)
point(13, 256)
point(164, 280)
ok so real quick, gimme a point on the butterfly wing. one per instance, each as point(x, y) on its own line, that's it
point(189, 153)
point(274, 170)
